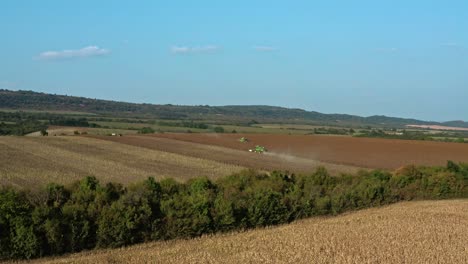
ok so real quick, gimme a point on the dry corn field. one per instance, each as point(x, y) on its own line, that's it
point(409, 232)
point(29, 161)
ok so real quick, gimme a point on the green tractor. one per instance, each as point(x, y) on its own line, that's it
point(258, 149)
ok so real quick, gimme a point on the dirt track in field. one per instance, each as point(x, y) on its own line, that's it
point(359, 152)
point(229, 155)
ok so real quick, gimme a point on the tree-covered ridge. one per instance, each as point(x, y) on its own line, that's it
point(87, 214)
point(28, 100)
point(22, 123)
point(21, 128)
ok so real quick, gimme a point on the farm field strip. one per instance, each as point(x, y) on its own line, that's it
point(58, 130)
point(293, 126)
point(126, 126)
point(408, 232)
point(268, 161)
point(437, 127)
point(38, 160)
point(345, 150)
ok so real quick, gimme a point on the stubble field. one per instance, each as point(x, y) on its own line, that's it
point(31, 161)
point(410, 232)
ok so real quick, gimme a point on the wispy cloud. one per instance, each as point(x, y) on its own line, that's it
point(264, 48)
point(90, 51)
point(187, 49)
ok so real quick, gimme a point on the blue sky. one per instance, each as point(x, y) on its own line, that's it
point(397, 58)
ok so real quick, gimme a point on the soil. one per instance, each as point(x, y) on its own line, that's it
point(235, 153)
point(344, 150)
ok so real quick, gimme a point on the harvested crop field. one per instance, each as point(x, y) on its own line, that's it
point(345, 150)
point(410, 232)
point(228, 155)
point(29, 161)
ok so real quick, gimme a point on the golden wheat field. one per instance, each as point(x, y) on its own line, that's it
point(409, 232)
point(29, 161)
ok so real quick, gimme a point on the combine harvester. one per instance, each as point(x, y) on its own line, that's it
point(243, 140)
point(258, 149)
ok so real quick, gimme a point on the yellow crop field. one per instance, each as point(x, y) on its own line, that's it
point(409, 232)
point(29, 161)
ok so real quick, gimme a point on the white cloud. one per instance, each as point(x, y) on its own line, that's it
point(264, 48)
point(186, 49)
point(90, 51)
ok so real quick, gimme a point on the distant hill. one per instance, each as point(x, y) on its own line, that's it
point(29, 100)
point(457, 123)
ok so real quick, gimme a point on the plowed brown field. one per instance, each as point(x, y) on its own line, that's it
point(228, 155)
point(360, 152)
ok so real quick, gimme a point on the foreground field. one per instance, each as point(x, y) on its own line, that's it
point(410, 232)
point(28, 161)
point(358, 152)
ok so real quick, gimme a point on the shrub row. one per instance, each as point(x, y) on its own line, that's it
point(89, 215)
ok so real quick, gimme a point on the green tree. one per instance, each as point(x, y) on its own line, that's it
point(123, 223)
point(17, 237)
point(266, 209)
point(218, 129)
point(44, 132)
point(146, 130)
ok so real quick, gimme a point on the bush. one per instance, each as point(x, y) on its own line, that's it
point(218, 129)
point(146, 130)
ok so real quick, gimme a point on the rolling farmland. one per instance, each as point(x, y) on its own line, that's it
point(33, 160)
point(234, 132)
point(410, 232)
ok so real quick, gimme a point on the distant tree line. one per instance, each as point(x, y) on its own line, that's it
point(22, 123)
point(146, 130)
point(88, 215)
point(74, 122)
point(21, 128)
point(333, 131)
point(188, 124)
